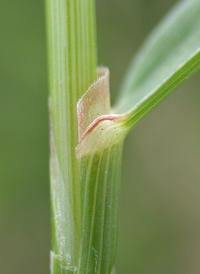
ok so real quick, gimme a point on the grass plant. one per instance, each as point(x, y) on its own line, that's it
point(86, 134)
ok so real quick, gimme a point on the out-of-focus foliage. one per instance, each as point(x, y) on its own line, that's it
point(160, 205)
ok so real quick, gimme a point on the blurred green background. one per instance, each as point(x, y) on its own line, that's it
point(160, 200)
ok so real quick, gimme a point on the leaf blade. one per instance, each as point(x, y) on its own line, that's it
point(172, 50)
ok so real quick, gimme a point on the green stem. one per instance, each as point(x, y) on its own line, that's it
point(72, 69)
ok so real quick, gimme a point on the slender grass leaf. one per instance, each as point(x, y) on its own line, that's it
point(170, 56)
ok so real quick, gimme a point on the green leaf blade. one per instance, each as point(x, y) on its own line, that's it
point(170, 56)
